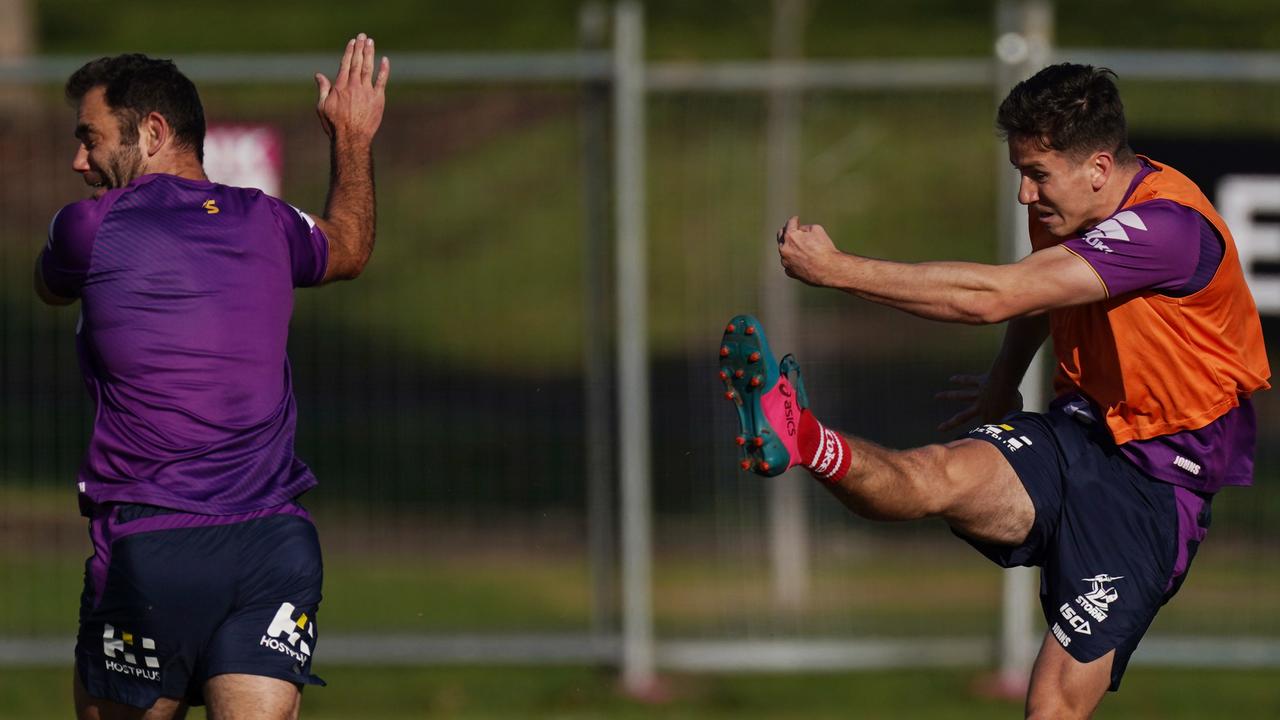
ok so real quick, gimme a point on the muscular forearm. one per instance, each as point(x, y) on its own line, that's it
point(350, 110)
point(350, 210)
point(1022, 339)
point(948, 291)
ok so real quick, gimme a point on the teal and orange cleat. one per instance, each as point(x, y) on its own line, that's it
point(766, 397)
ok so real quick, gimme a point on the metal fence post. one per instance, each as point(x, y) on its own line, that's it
point(788, 493)
point(633, 348)
point(1024, 36)
point(593, 26)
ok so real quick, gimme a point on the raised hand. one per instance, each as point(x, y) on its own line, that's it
point(806, 251)
point(351, 106)
point(987, 403)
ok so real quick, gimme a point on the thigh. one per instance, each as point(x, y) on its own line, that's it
point(233, 696)
point(984, 498)
point(1037, 449)
point(272, 631)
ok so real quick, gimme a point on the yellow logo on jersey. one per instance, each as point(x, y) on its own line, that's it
point(211, 208)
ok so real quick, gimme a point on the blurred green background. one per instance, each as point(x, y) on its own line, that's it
point(441, 396)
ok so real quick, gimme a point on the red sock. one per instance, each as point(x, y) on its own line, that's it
point(823, 452)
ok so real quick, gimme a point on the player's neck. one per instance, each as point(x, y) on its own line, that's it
point(183, 166)
point(1118, 188)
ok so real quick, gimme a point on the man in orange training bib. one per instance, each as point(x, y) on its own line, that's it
point(1158, 346)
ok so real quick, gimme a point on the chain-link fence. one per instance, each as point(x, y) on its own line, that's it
point(457, 401)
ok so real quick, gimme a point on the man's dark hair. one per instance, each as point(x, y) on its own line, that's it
point(1074, 109)
point(136, 86)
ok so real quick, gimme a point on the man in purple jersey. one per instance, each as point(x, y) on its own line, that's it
point(1159, 347)
point(205, 579)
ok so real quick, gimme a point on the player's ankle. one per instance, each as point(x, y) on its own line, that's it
point(823, 452)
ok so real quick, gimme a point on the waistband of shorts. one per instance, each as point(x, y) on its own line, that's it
point(123, 519)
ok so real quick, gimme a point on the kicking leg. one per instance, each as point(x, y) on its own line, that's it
point(968, 483)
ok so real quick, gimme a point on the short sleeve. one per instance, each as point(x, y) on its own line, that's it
point(308, 245)
point(64, 262)
point(1151, 246)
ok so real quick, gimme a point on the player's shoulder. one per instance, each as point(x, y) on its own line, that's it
point(262, 205)
point(247, 196)
point(289, 212)
point(1160, 214)
point(76, 214)
point(83, 217)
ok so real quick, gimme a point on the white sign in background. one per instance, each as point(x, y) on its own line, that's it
point(245, 156)
point(1250, 204)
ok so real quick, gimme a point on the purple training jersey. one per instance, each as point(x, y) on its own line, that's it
point(1171, 249)
point(186, 291)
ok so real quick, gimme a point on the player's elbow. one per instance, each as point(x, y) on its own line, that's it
point(347, 262)
point(986, 308)
point(356, 267)
point(1005, 298)
point(345, 268)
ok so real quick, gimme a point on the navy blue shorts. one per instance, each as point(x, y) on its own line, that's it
point(167, 605)
point(1113, 543)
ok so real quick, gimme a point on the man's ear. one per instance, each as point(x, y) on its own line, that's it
point(154, 133)
point(1101, 165)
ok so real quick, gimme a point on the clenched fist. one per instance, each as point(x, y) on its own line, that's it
point(807, 252)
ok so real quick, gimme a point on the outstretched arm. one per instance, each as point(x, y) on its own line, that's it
point(961, 292)
point(350, 110)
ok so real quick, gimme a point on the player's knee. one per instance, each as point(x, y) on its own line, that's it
point(948, 477)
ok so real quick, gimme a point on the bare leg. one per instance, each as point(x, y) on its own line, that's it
point(243, 697)
point(91, 708)
point(967, 483)
point(1064, 688)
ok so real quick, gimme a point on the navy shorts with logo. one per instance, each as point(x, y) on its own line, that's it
point(172, 599)
point(1106, 535)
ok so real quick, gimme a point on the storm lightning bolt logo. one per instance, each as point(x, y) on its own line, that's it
point(1102, 595)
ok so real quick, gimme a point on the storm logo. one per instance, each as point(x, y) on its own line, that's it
point(1102, 595)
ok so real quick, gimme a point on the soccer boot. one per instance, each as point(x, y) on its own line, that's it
point(766, 396)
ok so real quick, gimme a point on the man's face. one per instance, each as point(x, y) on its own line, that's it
point(1061, 191)
point(105, 158)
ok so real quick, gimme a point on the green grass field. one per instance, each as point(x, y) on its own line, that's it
point(573, 693)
